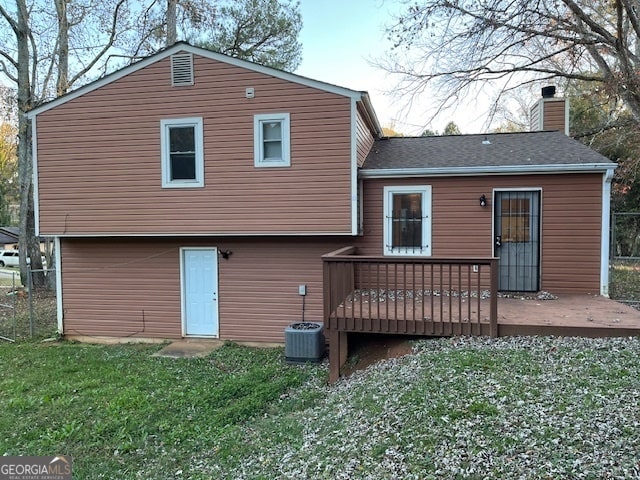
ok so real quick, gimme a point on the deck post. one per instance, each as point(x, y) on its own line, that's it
point(373, 309)
point(338, 349)
point(493, 309)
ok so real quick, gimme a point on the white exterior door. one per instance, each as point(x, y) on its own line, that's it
point(199, 272)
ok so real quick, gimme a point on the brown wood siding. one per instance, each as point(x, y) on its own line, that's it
point(571, 223)
point(364, 139)
point(131, 287)
point(554, 114)
point(99, 165)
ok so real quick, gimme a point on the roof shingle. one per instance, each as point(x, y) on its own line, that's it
point(490, 150)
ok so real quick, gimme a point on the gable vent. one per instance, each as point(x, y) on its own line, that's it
point(181, 69)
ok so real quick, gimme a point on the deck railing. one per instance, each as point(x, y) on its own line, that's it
point(406, 295)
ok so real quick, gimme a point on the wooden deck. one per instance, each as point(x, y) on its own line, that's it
point(567, 315)
point(412, 313)
point(449, 297)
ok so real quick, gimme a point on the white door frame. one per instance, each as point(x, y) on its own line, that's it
point(183, 296)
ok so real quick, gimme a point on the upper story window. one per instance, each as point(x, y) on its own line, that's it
point(182, 152)
point(271, 140)
point(407, 222)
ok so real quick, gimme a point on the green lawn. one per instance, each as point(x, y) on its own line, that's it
point(457, 408)
point(624, 281)
point(116, 408)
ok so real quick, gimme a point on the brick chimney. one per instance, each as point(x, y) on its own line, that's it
point(550, 113)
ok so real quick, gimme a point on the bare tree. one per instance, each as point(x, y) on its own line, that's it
point(458, 45)
point(32, 54)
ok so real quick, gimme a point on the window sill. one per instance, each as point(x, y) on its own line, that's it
point(183, 185)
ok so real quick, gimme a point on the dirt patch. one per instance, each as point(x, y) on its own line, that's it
point(365, 350)
point(189, 348)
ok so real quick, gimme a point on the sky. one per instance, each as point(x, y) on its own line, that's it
point(339, 40)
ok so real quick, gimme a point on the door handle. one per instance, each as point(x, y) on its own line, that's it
point(498, 241)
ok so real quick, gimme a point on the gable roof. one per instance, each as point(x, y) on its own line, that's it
point(498, 153)
point(8, 235)
point(185, 47)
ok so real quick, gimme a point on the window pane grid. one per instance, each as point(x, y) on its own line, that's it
point(272, 131)
point(516, 215)
point(272, 141)
point(182, 153)
point(183, 166)
point(273, 150)
point(406, 221)
point(182, 139)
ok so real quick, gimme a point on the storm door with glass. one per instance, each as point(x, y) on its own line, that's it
point(517, 240)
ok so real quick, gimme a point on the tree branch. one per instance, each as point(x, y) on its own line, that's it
point(4, 70)
point(12, 23)
point(105, 49)
point(632, 15)
point(586, 19)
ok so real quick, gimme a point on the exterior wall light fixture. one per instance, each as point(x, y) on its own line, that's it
point(483, 201)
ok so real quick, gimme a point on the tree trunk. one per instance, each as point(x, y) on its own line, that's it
point(62, 83)
point(171, 22)
point(28, 244)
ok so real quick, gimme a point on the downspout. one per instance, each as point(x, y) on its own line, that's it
point(58, 267)
point(354, 167)
point(34, 175)
point(606, 225)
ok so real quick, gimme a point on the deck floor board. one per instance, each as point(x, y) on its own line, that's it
point(423, 316)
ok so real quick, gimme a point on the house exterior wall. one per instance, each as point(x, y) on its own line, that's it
point(364, 139)
point(549, 114)
point(99, 158)
point(131, 288)
point(570, 224)
point(554, 113)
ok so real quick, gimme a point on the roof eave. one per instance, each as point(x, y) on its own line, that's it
point(372, 118)
point(486, 170)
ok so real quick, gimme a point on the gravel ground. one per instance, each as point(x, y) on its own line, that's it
point(509, 408)
point(381, 295)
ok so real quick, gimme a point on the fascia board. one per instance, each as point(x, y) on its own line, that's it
point(488, 170)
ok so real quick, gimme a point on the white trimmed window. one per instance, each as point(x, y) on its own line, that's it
point(271, 140)
point(407, 220)
point(182, 152)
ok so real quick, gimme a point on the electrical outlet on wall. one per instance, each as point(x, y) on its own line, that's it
point(302, 290)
